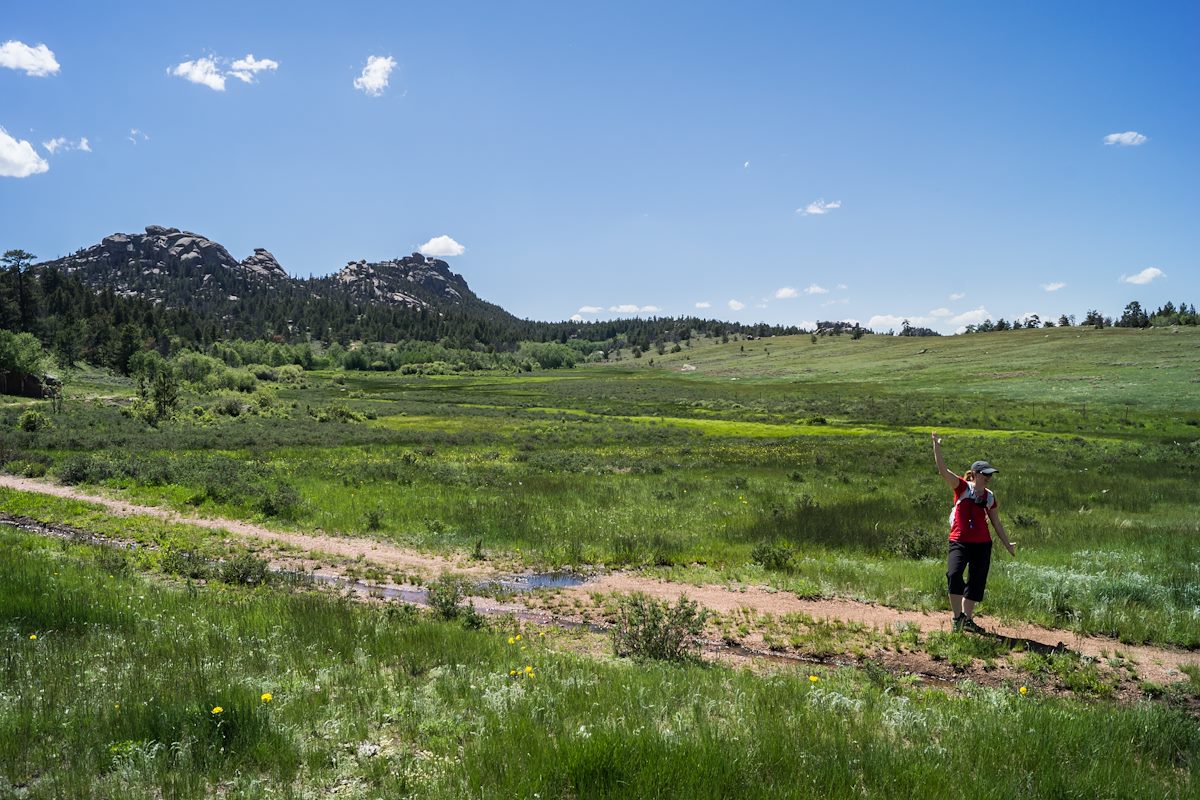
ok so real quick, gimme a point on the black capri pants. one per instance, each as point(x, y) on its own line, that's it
point(975, 558)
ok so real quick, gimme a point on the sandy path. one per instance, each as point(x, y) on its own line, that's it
point(1158, 664)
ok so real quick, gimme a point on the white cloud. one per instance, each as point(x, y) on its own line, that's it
point(650, 309)
point(746, 165)
point(841, 286)
point(807, 325)
point(1126, 139)
point(18, 159)
point(203, 71)
point(135, 136)
point(815, 289)
point(244, 69)
point(576, 318)
point(736, 305)
point(440, 246)
point(940, 312)
point(884, 321)
point(64, 144)
point(971, 317)
point(704, 304)
point(1053, 287)
point(374, 77)
point(785, 293)
point(1144, 277)
point(958, 295)
point(590, 309)
point(37, 62)
point(624, 308)
point(817, 207)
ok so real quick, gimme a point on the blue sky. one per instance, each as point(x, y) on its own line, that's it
point(780, 162)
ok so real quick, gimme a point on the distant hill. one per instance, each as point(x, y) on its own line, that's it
point(181, 269)
point(208, 294)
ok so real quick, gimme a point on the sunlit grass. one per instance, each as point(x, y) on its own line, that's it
point(134, 688)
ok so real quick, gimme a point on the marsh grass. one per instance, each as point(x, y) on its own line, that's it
point(820, 450)
point(116, 696)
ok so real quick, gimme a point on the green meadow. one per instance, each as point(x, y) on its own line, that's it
point(799, 463)
point(118, 685)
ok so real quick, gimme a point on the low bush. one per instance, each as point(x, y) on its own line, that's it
point(246, 569)
point(773, 556)
point(651, 629)
point(445, 594)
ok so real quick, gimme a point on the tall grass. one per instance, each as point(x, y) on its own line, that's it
point(116, 695)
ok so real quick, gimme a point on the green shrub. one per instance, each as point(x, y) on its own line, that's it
point(772, 556)
point(446, 593)
point(917, 543)
point(186, 564)
point(246, 569)
point(33, 421)
point(646, 628)
point(282, 501)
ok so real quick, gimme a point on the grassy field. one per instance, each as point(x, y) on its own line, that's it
point(115, 685)
point(799, 464)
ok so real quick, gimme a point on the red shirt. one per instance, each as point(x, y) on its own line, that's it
point(968, 519)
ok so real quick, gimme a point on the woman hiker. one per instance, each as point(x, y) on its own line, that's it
point(970, 541)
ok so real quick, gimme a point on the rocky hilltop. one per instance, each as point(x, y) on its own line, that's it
point(167, 264)
point(184, 269)
point(399, 281)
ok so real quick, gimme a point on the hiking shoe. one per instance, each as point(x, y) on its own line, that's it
point(971, 626)
point(956, 624)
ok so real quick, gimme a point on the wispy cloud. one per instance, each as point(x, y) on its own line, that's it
point(736, 305)
point(244, 69)
point(633, 308)
point(576, 318)
point(1144, 277)
point(785, 293)
point(971, 317)
point(64, 144)
point(815, 289)
point(440, 246)
point(18, 159)
point(202, 71)
point(746, 165)
point(1053, 287)
point(38, 62)
point(207, 71)
point(704, 304)
point(590, 309)
point(958, 295)
point(818, 207)
point(374, 77)
point(136, 136)
point(1126, 139)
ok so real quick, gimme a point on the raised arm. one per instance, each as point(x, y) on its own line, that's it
point(950, 478)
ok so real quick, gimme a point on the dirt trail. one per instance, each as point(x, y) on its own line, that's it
point(1157, 664)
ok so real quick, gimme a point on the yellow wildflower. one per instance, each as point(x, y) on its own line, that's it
point(32, 636)
point(217, 709)
point(266, 697)
point(511, 640)
point(1023, 690)
point(518, 637)
point(528, 669)
point(813, 679)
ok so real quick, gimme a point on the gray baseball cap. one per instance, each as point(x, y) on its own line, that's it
point(984, 468)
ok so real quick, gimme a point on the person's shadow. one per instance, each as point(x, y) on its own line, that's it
point(1032, 645)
